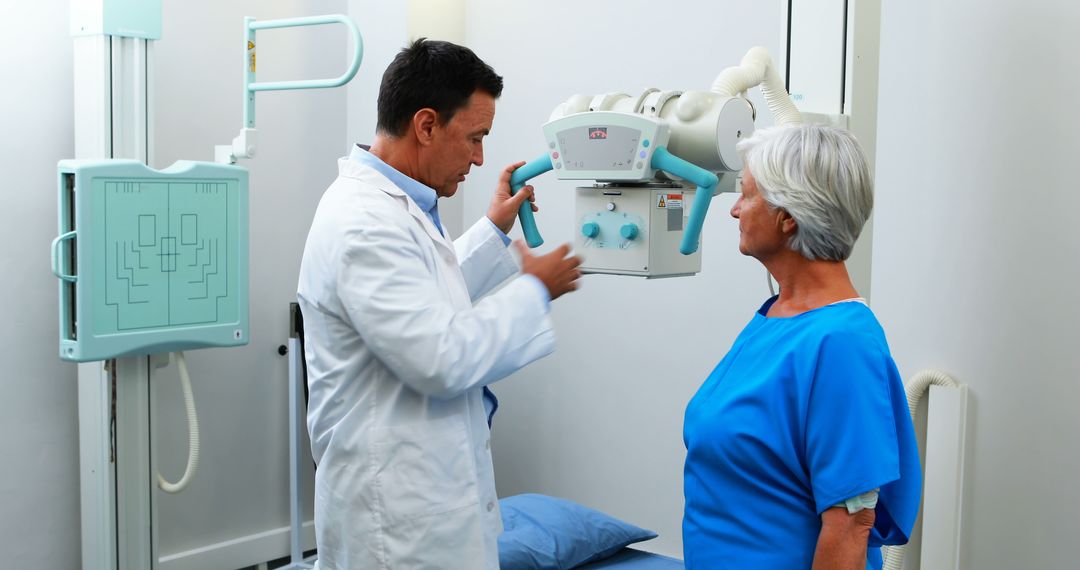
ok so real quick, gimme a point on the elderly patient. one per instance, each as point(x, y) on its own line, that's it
point(800, 449)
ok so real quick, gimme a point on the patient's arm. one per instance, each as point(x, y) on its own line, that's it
point(842, 542)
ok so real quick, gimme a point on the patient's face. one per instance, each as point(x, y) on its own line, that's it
point(760, 228)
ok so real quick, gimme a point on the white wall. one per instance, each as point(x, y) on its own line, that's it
point(39, 485)
point(385, 29)
point(976, 252)
point(600, 421)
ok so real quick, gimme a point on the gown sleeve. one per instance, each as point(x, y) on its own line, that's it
point(859, 436)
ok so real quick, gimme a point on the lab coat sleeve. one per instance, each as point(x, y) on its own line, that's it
point(484, 258)
point(400, 309)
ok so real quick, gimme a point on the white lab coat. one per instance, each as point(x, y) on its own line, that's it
point(398, 350)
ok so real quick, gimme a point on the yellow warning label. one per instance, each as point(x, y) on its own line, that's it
point(253, 62)
point(251, 45)
point(662, 203)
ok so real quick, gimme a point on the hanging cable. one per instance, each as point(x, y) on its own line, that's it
point(193, 432)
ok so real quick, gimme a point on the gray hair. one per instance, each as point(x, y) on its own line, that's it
point(818, 174)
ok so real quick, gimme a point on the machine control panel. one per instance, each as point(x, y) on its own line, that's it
point(640, 235)
point(605, 146)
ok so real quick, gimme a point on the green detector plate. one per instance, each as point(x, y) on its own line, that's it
point(151, 261)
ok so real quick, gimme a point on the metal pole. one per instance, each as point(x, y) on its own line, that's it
point(295, 425)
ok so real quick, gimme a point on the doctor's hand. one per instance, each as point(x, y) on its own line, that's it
point(504, 207)
point(558, 270)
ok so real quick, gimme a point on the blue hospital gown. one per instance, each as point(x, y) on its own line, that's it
point(802, 413)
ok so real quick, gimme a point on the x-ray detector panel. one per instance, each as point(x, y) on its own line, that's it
point(151, 261)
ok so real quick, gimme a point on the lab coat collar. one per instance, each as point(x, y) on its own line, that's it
point(424, 196)
point(348, 168)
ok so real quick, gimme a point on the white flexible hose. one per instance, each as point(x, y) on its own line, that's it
point(917, 387)
point(193, 432)
point(757, 68)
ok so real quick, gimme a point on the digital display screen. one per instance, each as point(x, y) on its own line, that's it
point(599, 148)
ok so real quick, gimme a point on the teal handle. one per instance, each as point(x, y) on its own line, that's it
point(358, 52)
point(525, 214)
point(706, 182)
point(250, 86)
point(57, 245)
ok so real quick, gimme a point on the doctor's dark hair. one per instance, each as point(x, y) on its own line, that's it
point(435, 75)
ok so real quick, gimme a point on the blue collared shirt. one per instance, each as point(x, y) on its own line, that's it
point(428, 201)
point(424, 196)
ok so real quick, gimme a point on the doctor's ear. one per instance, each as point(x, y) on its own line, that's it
point(423, 123)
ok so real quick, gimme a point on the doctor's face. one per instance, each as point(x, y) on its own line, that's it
point(459, 144)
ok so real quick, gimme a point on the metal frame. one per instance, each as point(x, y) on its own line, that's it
point(251, 25)
point(243, 145)
point(296, 427)
point(113, 120)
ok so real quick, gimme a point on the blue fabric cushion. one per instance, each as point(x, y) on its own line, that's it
point(552, 533)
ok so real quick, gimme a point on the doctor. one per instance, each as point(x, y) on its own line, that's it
point(402, 335)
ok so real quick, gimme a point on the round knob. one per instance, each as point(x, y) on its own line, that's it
point(590, 230)
point(629, 231)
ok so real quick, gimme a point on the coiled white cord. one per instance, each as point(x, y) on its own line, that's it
point(917, 387)
point(193, 432)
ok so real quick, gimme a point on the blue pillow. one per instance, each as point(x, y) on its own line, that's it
point(550, 533)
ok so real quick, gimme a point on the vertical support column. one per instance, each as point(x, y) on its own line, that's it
point(296, 434)
point(129, 98)
point(133, 465)
point(92, 70)
point(111, 121)
point(97, 481)
point(92, 66)
point(860, 103)
point(296, 397)
point(114, 462)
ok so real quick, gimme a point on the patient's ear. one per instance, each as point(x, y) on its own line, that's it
point(786, 222)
